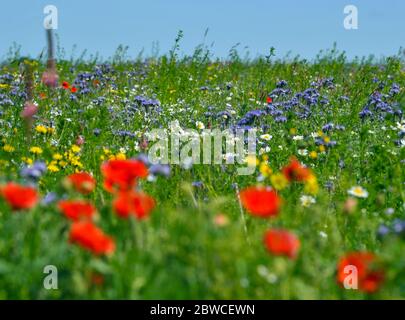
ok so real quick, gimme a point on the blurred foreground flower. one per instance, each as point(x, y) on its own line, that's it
point(350, 205)
point(88, 236)
point(221, 220)
point(50, 77)
point(77, 209)
point(369, 277)
point(82, 182)
point(122, 174)
point(30, 109)
point(282, 242)
point(261, 202)
point(19, 197)
point(35, 171)
point(133, 203)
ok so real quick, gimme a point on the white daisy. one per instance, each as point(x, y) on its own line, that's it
point(199, 125)
point(358, 192)
point(298, 138)
point(306, 201)
point(264, 150)
point(266, 137)
point(302, 152)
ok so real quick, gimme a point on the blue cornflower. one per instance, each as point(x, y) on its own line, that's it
point(35, 171)
point(160, 169)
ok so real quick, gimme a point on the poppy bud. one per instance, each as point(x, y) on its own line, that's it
point(50, 78)
point(350, 205)
point(29, 110)
point(80, 140)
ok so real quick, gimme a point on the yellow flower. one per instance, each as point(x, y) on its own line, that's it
point(57, 156)
point(8, 148)
point(120, 156)
point(28, 161)
point(311, 185)
point(75, 148)
point(265, 169)
point(36, 150)
point(41, 129)
point(293, 131)
point(320, 133)
point(63, 163)
point(53, 168)
point(4, 86)
point(51, 130)
point(278, 181)
point(313, 154)
point(106, 150)
point(326, 139)
point(322, 148)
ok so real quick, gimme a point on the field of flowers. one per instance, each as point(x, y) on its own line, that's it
point(79, 193)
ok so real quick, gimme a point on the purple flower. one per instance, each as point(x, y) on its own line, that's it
point(49, 198)
point(35, 171)
point(160, 169)
point(328, 127)
point(282, 84)
point(143, 158)
point(394, 89)
point(197, 184)
point(383, 230)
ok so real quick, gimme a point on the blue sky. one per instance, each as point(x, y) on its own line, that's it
point(302, 27)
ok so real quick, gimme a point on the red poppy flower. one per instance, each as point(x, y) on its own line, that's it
point(261, 202)
point(133, 203)
point(269, 100)
point(73, 90)
point(65, 85)
point(295, 171)
point(82, 182)
point(282, 242)
point(19, 197)
point(88, 236)
point(369, 278)
point(122, 174)
point(77, 209)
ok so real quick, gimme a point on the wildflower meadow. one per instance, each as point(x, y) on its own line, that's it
point(100, 201)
